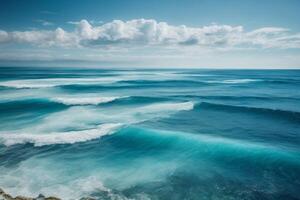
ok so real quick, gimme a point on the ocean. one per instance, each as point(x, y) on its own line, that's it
point(176, 134)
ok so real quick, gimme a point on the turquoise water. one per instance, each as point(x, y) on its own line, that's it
point(150, 134)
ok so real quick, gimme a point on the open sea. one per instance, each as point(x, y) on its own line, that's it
point(177, 134)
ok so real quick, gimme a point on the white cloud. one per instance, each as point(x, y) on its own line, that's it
point(268, 30)
point(152, 33)
point(4, 37)
point(44, 22)
point(73, 22)
point(58, 37)
point(90, 21)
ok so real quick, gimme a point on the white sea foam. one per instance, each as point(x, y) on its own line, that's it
point(51, 129)
point(148, 112)
point(42, 180)
point(26, 84)
point(84, 100)
point(52, 82)
point(234, 81)
point(66, 179)
point(161, 107)
point(133, 115)
point(69, 137)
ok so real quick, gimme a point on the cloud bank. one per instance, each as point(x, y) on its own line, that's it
point(149, 32)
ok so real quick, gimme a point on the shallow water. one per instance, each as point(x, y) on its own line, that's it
point(150, 134)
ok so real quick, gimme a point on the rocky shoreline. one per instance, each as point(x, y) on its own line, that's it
point(6, 196)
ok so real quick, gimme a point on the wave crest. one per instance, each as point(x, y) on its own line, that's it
point(84, 100)
point(168, 107)
point(235, 81)
point(69, 137)
point(281, 114)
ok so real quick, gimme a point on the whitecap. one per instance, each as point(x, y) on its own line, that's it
point(31, 183)
point(84, 100)
point(81, 120)
point(52, 82)
point(157, 107)
point(69, 137)
point(153, 111)
point(234, 81)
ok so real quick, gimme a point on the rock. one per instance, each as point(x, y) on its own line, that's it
point(5, 196)
point(22, 198)
point(40, 197)
point(52, 198)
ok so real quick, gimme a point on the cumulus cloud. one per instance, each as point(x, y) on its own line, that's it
point(4, 37)
point(152, 33)
point(58, 37)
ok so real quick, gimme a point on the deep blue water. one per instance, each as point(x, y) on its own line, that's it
point(150, 134)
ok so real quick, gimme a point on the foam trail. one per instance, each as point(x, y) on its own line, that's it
point(45, 83)
point(83, 117)
point(73, 189)
point(156, 110)
point(84, 100)
point(60, 137)
point(21, 85)
point(168, 107)
point(234, 81)
point(53, 82)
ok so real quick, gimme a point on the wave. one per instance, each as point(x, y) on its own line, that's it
point(70, 190)
point(138, 100)
point(169, 83)
point(247, 80)
point(142, 113)
point(205, 146)
point(235, 81)
point(28, 108)
point(237, 97)
point(137, 115)
point(18, 85)
point(84, 100)
point(103, 80)
point(69, 137)
point(54, 82)
point(53, 126)
point(126, 86)
point(168, 106)
point(283, 114)
point(282, 81)
point(151, 155)
point(33, 83)
point(56, 103)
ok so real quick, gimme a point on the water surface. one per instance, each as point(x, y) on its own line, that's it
point(150, 134)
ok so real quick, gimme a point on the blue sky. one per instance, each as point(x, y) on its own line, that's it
point(159, 33)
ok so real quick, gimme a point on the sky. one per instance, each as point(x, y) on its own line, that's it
point(157, 33)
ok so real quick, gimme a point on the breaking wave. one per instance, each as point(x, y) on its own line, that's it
point(235, 81)
point(69, 137)
point(84, 100)
point(53, 82)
